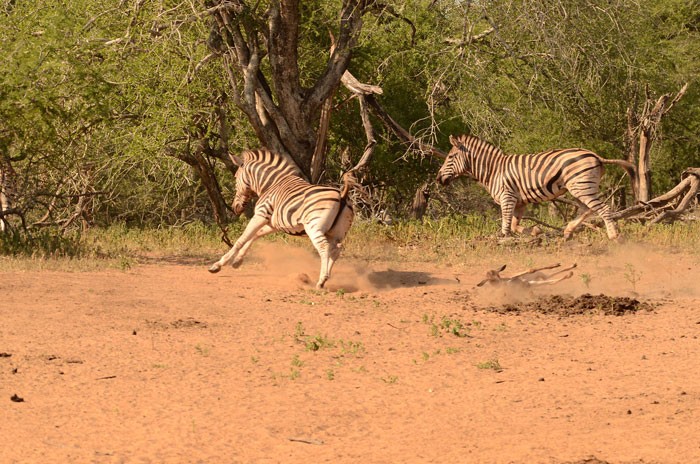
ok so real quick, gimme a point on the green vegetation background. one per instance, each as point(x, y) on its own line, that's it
point(94, 95)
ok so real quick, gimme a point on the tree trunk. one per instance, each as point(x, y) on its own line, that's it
point(8, 186)
point(259, 51)
point(644, 168)
point(646, 126)
point(205, 172)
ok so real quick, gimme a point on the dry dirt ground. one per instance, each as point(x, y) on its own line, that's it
point(396, 362)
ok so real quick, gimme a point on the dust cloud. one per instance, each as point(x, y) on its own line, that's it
point(295, 266)
point(629, 269)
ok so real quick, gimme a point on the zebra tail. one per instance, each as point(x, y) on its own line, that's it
point(349, 181)
point(630, 168)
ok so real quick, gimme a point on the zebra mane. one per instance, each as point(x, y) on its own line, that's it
point(265, 156)
point(473, 143)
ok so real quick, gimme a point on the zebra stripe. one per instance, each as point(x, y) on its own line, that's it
point(517, 180)
point(289, 204)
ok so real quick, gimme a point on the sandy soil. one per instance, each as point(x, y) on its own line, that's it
point(397, 362)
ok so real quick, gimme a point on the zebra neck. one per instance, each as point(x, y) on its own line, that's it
point(268, 176)
point(486, 166)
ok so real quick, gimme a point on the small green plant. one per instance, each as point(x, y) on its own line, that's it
point(351, 347)
point(390, 379)
point(340, 292)
point(492, 364)
point(295, 370)
point(296, 362)
point(318, 342)
point(330, 375)
point(586, 279)
point(454, 327)
point(632, 275)
point(124, 263)
point(425, 355)
point(299, 331)
point(202, 350)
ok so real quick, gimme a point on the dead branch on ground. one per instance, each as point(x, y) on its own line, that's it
point(667, 207)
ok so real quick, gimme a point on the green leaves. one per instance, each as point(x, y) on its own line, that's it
point(94, 95)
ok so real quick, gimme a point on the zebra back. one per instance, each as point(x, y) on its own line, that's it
point(263, 168)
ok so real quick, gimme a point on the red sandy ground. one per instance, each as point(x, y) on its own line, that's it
point(165, 363)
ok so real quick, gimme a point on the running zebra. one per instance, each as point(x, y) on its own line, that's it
point(288, 203)
point(517, 180)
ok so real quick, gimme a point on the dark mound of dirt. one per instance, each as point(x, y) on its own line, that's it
point(584, 304)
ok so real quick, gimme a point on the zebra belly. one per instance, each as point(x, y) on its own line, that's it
point(293, 221)
point(296, 228)
point(532, 197)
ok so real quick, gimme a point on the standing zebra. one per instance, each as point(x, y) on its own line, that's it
point(288, 203)
point(516, 180)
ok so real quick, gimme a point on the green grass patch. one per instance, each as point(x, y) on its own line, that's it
point(449, 240)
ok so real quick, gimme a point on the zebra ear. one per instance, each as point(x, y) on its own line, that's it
point(236, 160)
point(453, 141)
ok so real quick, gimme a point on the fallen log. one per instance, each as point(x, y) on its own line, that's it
point(667, 207)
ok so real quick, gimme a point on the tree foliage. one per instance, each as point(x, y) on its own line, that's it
point(125, 111)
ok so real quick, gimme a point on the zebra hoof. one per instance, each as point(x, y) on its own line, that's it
point(215, 268)
point(236, 264)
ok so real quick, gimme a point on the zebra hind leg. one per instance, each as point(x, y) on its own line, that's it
point(320, 242)
point(337, 233)
point(572, 225)
point(518, 212)
point(610, 226)
point(595, 205)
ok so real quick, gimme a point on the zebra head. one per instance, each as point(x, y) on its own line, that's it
point(244, 192)
point(456, 163)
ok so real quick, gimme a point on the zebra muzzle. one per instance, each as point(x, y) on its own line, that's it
point(443, 179)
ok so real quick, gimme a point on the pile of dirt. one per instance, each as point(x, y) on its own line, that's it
point(584, 304)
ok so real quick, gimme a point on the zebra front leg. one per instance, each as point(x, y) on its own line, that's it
point(256, 223)
point(508, 204)
point(266, 230)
